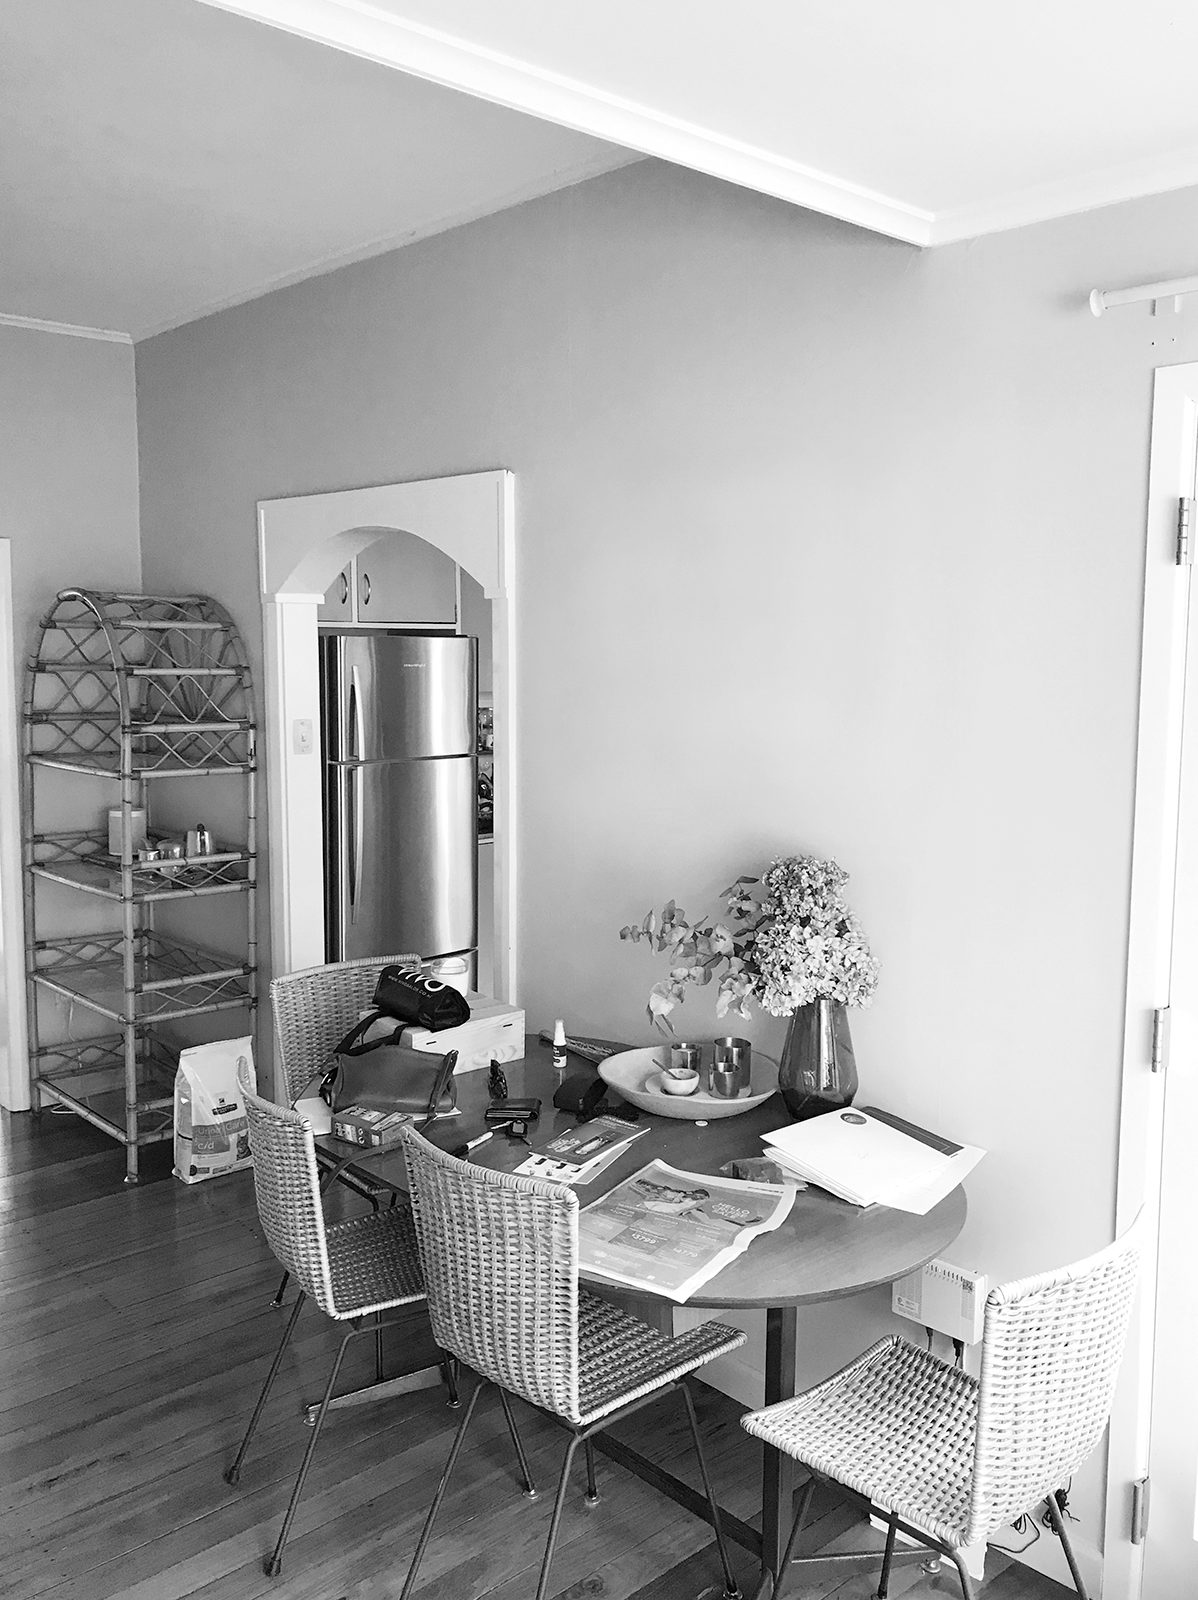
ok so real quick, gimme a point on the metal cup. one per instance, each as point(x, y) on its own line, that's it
point(731, 1062)
point(685, 1058)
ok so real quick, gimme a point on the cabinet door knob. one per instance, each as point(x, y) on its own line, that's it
point(344, 588)
point(366, 588)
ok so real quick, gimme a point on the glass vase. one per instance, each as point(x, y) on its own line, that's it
point(817, 1071)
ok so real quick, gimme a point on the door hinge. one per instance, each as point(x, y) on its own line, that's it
point(1141, 1494)
point(1160, 1038)
point(1185, 525)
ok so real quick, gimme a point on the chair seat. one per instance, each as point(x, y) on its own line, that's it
point(897, 1425)
point(621, 1358)
point(374, 1262)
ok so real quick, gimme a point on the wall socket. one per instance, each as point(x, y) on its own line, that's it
point(949, 1299)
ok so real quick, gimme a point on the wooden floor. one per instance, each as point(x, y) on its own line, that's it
point(136, 1334)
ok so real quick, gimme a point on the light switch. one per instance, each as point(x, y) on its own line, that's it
point(301, 736)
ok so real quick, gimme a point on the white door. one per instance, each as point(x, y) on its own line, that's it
point(1154, 1423)
point(1171, 1542)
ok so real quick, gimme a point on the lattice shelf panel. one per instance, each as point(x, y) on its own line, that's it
point(171, 978)
point(150, 685)
point(81, 1074)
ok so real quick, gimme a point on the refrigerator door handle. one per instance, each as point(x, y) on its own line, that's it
point(355, 790)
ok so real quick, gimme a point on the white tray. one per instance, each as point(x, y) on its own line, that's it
point(637, 1073)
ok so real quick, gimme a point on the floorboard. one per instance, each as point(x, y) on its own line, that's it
point(138, 1330)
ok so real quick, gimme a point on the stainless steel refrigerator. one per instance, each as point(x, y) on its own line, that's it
point(399, 726)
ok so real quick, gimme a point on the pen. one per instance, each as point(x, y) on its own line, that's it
point(473, 1144)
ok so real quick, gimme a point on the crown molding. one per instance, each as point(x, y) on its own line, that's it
point(364, 30)
point(69, 329)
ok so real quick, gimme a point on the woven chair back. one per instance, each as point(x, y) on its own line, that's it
point(287, 1189)
point(1051, 1350)
point(500, 1260)
point(315, 1009)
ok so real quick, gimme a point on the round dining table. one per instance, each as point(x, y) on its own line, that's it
point(825, 1250)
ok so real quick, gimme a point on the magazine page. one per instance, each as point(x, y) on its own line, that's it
point(580, 1153)
point(670, 1231)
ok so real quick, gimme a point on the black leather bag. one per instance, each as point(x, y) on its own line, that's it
point(386, 1075)
point(414, 997)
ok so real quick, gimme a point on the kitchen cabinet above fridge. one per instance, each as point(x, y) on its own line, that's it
point(399, 581)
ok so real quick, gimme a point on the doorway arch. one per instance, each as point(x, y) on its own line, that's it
point(303, 542)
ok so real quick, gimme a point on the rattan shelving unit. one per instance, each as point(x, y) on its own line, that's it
point(145, 690)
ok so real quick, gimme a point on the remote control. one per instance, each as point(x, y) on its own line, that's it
point(593, 1050)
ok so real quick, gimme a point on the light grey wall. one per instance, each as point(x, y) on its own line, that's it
point(824, 545)
point(68, 469)
point(69, 507)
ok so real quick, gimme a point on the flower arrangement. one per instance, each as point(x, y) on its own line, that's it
point(792, 941)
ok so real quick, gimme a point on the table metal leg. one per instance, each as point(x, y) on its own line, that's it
point(778, 1468)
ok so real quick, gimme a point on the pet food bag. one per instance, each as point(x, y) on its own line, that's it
point(211, 1130)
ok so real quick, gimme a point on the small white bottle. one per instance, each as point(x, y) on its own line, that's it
point(559, 1050)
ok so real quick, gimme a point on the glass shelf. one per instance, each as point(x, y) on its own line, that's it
point(81, 861)
point(171, 979)
point(64, 1071)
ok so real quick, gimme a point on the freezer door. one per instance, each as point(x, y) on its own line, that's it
point(410, 858)
point(391, 696)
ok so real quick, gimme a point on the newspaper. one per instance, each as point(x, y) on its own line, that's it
point(670, 1231)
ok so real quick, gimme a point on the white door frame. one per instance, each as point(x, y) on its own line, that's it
point(1149, 955)
point(303, 542)
point(14, 1063)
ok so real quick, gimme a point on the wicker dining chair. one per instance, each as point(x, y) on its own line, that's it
point(500, 1260)
point(313, 1010)
point(356, 1271)
point(948, 1459)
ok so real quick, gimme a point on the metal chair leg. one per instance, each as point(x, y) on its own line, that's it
point(731, 1587)
point(779, 1578)
point(1057, 1518)
point(592, 1488)
point(425, 1532)
point(378, 1347)
point(530, 1488)
point(967, 1588)
point(887, 1557)
point(555, 1520)
point(281, 1290)
point(275, 1563)
point(450, 1368)
point(233, 1473)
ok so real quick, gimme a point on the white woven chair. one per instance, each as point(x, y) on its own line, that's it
point(500, 1260)
point(947, 1458)
point(356, 1271)
point(314, 1010)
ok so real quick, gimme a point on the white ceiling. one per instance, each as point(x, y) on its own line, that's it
point(930, 120)
point(163, 158)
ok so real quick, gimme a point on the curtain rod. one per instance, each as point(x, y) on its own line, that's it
point(1172, 288)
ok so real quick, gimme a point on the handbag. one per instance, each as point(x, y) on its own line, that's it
point(386, 1075)
point(415, 997)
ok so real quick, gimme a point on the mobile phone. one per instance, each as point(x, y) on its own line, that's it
point(513, 1110)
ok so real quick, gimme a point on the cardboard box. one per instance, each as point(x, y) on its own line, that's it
point(368, 1126)
point(494, 1032)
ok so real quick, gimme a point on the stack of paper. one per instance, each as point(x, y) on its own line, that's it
point(870, 1157)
